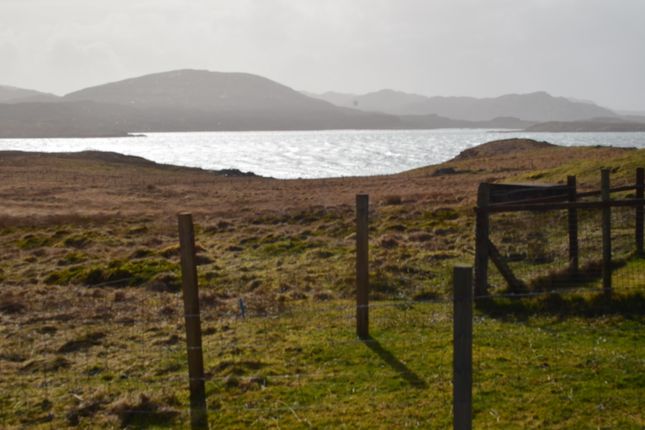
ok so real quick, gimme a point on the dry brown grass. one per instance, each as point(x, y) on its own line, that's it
point(38, 189)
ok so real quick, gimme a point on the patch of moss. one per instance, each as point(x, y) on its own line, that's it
point(445, 214)
point(116, 273)
point(70, 258)
point(131, 273)
point(33, 241)
point(65, 277)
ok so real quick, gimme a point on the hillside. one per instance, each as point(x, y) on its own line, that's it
point(535, 107)
point(184, 100)
point(19, 95)
point(201, 90)
point(201, 100)
point(74, 119)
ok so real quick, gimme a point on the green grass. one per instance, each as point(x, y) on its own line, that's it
point(623, 170)
point(306, 369)
point(123, 272)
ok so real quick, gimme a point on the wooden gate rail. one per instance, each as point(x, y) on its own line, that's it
point(564, 197)
point(542, 207)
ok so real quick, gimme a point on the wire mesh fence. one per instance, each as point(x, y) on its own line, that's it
point(536, 248)
point(538, 244)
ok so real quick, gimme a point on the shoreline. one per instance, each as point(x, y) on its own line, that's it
point(547, 128)
point(201, 150)
point(98, 182)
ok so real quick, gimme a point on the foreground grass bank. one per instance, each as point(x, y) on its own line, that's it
point(304, 368)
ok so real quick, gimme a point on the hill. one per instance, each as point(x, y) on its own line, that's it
point(77, 119)
point(19, 95)
point(502, 147)
point(183, 100)
point(536, 107)
point(201, 90)
point(200, 100)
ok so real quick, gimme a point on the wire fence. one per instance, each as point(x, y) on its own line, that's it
point(92, 346)
point(536, 241)
point(535, 246)
point(121, 365)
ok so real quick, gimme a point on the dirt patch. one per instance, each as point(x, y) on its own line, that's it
point(45, 365)
point(83, 343)
point(11, 306)
point(142, 411)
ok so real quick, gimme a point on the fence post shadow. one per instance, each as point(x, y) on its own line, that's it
point(404, 371)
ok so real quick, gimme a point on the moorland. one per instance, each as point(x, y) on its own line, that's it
point(91, 327)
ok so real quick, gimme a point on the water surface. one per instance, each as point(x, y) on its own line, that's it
point(311, 154)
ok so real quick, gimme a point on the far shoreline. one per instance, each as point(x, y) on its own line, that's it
point(232, 171)
point(543, 129)
point(382, 152)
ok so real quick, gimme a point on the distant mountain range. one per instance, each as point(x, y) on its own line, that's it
point(183, 100)
point(198, 100)
point(535, 107)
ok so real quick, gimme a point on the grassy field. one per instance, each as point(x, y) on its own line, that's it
point(304, 368)
point(91, 324)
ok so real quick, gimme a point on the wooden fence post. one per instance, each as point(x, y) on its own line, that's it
point(198, 413)
point(481, 239)
point(362, 266)
point(640, 194)
point(462, 360)
point(574, 259)
point(606, 233)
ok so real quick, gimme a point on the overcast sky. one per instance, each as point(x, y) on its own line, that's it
point(588, 49)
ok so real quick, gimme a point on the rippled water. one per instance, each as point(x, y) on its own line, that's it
point(311, 154)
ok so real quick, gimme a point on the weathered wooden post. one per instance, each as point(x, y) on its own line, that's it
point(481, 239)
point(462, 347)
point(574, 259)
point(198, 413)
point(606, 232)
point(362, 268)
point(640, 194)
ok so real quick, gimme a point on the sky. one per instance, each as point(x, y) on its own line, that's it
point(586, 49)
